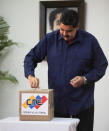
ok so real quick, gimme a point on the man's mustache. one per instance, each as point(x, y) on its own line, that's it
point(66, 36)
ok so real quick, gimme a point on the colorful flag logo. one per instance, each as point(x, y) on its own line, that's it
point(34, 102)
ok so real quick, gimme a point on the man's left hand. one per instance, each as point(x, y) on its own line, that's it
point(77, 81)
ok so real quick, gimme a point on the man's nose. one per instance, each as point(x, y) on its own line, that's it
point(65, 33)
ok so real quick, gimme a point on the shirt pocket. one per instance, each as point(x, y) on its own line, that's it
point(84, 60)
point(84, 63)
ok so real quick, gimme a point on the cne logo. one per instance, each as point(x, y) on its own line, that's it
point(34, 102)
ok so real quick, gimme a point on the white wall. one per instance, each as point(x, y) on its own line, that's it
point(23, 17)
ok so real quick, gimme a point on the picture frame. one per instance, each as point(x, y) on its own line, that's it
point(46, 6)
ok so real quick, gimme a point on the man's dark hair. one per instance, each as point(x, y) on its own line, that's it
point(69, 17)
point(53, 14)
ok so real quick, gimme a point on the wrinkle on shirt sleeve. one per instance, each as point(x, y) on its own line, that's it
point(100, 63)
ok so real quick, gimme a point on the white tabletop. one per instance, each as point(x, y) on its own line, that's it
point(56, 124)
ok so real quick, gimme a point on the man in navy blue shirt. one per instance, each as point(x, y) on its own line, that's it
point(75, 62)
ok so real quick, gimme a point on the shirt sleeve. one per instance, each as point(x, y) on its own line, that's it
point(99, 65)
point(36, 55)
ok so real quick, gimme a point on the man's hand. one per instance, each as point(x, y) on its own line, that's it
point(77, 81)
point(34, 82)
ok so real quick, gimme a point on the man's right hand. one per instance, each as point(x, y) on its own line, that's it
point(34, 82)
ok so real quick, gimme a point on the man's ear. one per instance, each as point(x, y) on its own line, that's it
point(78, 26)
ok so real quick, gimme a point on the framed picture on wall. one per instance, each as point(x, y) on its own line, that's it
point(50, 12)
